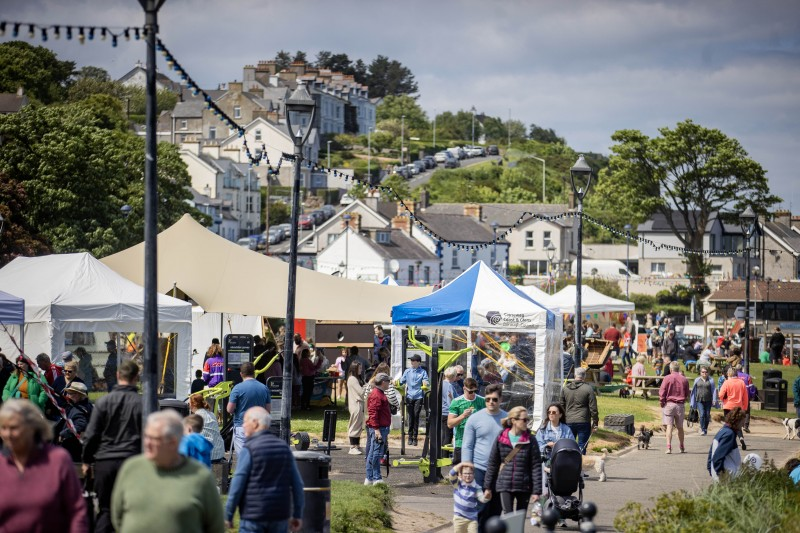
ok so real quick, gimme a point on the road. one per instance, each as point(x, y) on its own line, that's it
point(423, 177)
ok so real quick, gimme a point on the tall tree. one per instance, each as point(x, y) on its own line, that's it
point(390, 77)
point(36, 69)
point(282, 60)
point(687, 174)
point(394, 107)
point(545, 135)
point(18, 238)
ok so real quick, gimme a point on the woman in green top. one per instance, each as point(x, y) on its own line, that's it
point(23, 384)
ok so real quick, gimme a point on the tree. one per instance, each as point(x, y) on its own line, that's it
point(687, 174)
point(36, 69)
point(545, 135)
point(398, 184)
point(94, 73)
point(390, 77)
point(282, 60)
point(299, 56)
point(18, 237)
point(394, 107)
point(136, 100)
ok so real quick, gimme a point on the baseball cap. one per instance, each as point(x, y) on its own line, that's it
point(415, 357)
point(77, 386)
point(380, 378)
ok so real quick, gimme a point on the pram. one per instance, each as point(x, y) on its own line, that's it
point(564, 478)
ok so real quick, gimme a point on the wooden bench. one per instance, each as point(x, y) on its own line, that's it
point(641, 383)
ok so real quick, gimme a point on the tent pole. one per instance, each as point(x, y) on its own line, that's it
point(403, 398)
point(471, 353)
point(435, 421)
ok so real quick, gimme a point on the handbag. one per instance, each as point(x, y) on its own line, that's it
point(508, 459)
point(694, 417)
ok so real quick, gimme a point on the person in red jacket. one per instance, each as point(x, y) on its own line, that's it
point(379, 418)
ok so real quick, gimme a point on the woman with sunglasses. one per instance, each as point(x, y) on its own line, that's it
point(553, 429)
point(515, 465)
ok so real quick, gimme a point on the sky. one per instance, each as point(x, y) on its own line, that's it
point(584, 68)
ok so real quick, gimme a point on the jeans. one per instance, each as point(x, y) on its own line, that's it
point(249, 526)
point(447, 433)
point(375, 452)
point(626, 358)
point(507, 500)
point(413, 409)
point(704, 410)
point(797, 410)
point(238, 438)
point(582, 432)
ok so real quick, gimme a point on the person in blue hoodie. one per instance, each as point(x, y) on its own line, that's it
point(724, 456)
point(194, 444)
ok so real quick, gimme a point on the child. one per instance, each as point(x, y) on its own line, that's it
point(193, 444)
point(198, 384)
point(466, 496)
point(658, 365)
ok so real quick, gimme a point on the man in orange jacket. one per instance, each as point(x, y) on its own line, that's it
point(733, 393)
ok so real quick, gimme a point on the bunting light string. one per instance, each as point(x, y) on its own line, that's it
point(84, 32)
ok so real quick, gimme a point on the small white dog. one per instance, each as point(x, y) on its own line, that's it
point(792, 426)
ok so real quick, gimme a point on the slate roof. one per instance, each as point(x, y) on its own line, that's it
point(785, 234)
point(778, 291)
point(506, 215)
point(189, 109)
point(456, 228)
point(12, 103)
point(401, 247)
point(387, 210)
point(658, 223)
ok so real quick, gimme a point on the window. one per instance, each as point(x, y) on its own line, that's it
point(184, 124)
point(546, 242)
point(212, 132)
point(529, 240)
point(331, 237)
point(658, 268)
point(383, 237)
point(426, 275)
point(411, 274)
point(713, 242)
point(474, 258)
point(258, 135)
point(454, 262)
point(250, 208)
point(237, 111)
point(716, 270)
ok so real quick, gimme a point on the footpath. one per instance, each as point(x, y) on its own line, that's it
point(633, 475)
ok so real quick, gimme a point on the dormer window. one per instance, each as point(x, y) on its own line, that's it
point(383, 237)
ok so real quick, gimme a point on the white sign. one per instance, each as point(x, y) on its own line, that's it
point(738, 314)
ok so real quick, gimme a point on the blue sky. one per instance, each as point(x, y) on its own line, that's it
point(583, 68)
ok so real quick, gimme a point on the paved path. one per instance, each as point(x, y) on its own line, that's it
point(635, 475)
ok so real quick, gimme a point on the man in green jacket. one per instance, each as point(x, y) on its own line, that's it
point(580, 406)
point(23, 383)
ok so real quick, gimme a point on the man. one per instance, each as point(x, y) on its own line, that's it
point(480, 434)
point(79, 410)
point(110, 370)
point(264, 471)
point(580, 405)
point(732, 394)
point(414, 379)
point(50, 370)
point(114, 434)
point(214, 369)
point(670, 346)
point(672, 396)
point(379, 418)
point(461, 408)
point(776, 344)
point(612, 334)
point(354, 357)
point(161, 490)
point(380, 340)
point(249, 393)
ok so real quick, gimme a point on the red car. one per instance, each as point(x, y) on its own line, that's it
point(305, 222)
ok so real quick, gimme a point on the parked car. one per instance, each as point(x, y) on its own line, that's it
point(403, 171)
point(440, 157)
point(346, 199)
point(319, 216)
point(450, 161)
point(329, 210)
point(492, 150)
point(420, 166)
point(247, 242)
point(305, 222)
point(276, 235)
point(430, 162)
point(413, 169)
point(286, 229)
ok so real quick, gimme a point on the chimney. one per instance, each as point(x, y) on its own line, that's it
point(235, 87)
point(211, 150)
point(424, 199)
point(402, 223)
point(571, 200)
point(371, 202)
point(249, 73)
point(783, 216)
point(257, 91)
point(298, 67)
point(191, 147)
point(473, 210)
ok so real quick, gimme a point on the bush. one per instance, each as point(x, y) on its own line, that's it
point(766, 500)
point(359, 508)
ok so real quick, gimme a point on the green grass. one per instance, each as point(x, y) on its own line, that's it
point(643, 411)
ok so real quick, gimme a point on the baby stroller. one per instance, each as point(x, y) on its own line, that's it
point(564, 478)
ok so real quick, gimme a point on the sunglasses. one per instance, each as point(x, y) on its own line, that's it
point(492, 400)
point(523, 419)
point(471, 391)
point(553, 412)
point(69, 371)
point(459, 375)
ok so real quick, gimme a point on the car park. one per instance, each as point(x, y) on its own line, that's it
point(305, 222)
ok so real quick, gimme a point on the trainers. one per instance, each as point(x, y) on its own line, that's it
point(744, 446)
point(669, 449)
point(746, 430)
point(378, 482)
point(683, 450)
point(354, 451)
point(367, 482)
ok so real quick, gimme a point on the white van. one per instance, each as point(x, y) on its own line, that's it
point(603, 268)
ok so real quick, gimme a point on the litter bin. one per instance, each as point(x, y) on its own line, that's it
point(177, 405)
point(314, 467)
point(775, 394)
point(770, 374)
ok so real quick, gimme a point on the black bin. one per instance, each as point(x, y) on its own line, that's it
point(176, 405)
point(770, 374)
point(775, 394)
point(314, 468)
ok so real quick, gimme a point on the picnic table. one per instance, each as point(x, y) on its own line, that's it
point(645, 384)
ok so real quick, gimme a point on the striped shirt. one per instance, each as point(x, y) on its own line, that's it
point(465, 497)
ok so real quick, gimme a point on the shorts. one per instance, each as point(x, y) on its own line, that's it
point(673, 414)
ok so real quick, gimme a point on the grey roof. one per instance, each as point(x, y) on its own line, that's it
point(401, 247)
point(229, 164)
point(189, 109)
point(12, 103)
point(785, 233)
point(506, 215)
point(387, 210)
point(456, 228)
point(658, 223)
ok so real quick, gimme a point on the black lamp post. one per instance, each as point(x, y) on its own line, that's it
point(628, 228)
point(494, 243)
point(581, 178)
point(302, 105)
point(551, 253)
point(748, 222)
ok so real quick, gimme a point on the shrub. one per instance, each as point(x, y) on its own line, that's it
point(754, 501)
point(356, 508)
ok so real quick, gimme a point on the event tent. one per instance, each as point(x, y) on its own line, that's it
point(76, 292)
point(538, 295)
point(388, 280)
point(12, 313)
point(481, 299)
point(223, 277)
point(207, 326)
point(591, 301)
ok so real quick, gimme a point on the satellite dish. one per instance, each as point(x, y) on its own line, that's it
point(394, 266)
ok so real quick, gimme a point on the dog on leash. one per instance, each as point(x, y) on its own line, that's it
point(625, 393)
point(792, 426)
point(644, 438)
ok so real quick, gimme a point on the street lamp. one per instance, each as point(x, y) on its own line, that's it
point(329, 154)
point(369, 154)
point(544, 169)
point(434, 129)
point(402, 138)
point(346, 217)
point(473, 126)
point(581, 178)
point(748, 222)
point(494, 242)
point(627, 260)
point(302, 105)
point(551, 253)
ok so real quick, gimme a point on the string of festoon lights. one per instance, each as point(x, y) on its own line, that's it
point(260, 156)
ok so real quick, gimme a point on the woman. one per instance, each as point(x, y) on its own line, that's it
point(6, 369)
point(308, 370)
point(40, 489)
point(391, 392)
point(342, 380)
point(704, 395)
point(724, 454)
point(23, 384)
point(79, 411)
point(553, 429)
point(515, 465)
point(199, 406)
point(355, 404)
point(490, 374)
point(86, 370)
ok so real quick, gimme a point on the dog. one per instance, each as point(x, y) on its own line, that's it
point(644, 438)
point(792, 426)
point(625, 393)
point(600, 465)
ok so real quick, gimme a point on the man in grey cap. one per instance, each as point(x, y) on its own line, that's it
point(379, 418)
point(414, 379)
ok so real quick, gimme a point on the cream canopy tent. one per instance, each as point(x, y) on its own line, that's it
point(76, 292)
point(537, 295)
point(223, 277)
point(591, 301)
